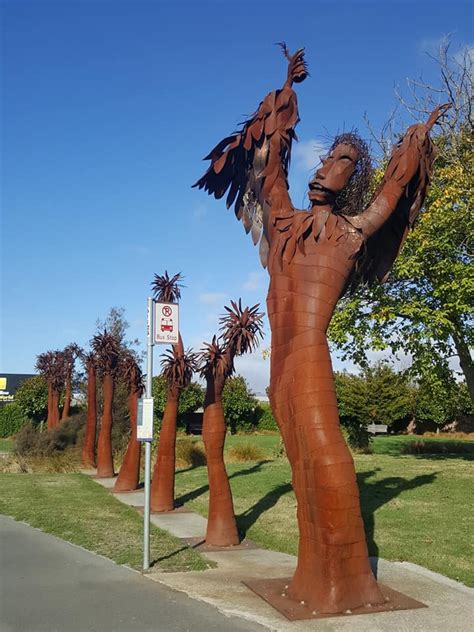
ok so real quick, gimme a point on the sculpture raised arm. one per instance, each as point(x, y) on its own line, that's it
point(397, 202)
point(252, 164)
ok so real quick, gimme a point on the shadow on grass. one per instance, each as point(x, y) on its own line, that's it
point(195, 493)
point(246, 519)
point(374, 495)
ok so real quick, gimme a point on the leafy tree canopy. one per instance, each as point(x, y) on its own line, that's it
point(32, 398)
point(239, 404)
point(425, 309)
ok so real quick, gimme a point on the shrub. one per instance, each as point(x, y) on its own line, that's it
point(438, 447)
point(245, 452)
point(189, 452)
point(12, 419)
point(264, 419)
point(239, 404)
point(31, 442)
point(32, 398)
point(357, 437)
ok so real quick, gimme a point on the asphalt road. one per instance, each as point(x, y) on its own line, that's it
point(49, 585)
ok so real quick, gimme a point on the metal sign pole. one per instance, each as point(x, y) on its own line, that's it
point(149, 376)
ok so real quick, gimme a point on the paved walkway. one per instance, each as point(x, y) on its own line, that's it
point(450, 604)
point(48, 585)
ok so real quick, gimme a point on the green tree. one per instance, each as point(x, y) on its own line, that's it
point(440, 401)
point(379, 395)
point(239, 404)
point(191, 398)
point(32, 398)
point(425, 309)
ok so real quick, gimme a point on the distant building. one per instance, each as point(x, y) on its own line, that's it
point(9, 383)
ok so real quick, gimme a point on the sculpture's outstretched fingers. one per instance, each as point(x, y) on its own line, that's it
point(436, 114)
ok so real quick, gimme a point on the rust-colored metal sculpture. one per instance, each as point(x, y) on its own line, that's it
point(312, 259)
point(241, 329)
point(178, 369)
point(51, 365)
point(107, 352)
point(129, 475)
point(70, 353)
point(88, 446)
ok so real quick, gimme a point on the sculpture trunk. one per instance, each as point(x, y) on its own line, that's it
point(221, 524)
point(162, 487)
point(49, 420)
point(333, 572)
point(88, 447)
point(105, 464)
point(129, 475)
point(54, 421)
point(67, 400)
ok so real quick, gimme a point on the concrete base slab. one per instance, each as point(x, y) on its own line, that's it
point(181, 525)
point(273, 591)
point(135, 499)
point(108, 483)
point(450, 606)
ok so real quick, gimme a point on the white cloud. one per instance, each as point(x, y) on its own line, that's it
point(255, 369)
point(256, 281)
point(465, 54)
point(307, 154)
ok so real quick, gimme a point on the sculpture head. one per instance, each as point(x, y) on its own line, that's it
point(343, 179)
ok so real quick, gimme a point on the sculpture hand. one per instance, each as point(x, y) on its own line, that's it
point(436, 114)
point(297, 68)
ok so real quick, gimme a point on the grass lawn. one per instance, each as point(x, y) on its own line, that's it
point(7, 445)
point(416, 508)
point(74, 508)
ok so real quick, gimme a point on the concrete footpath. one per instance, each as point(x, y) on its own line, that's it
point(450, 605)
point(48, 585)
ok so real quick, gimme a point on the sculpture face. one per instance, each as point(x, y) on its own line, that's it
point(333, 175)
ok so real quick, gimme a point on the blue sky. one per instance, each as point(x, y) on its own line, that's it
point(108, 110)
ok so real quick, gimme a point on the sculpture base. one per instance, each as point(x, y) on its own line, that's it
point(271, 591)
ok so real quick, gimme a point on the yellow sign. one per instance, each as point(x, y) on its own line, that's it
point(3, 383)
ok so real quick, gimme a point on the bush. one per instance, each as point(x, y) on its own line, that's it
point(12, 419)
point(357, 437)
point(264, 419)
point(438, 447)
point(245, 452)
point(239, 404)
point(31, 442)
point(32, 398)
point(189, 452)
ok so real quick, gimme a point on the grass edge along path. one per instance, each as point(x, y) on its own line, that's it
point(76, 509)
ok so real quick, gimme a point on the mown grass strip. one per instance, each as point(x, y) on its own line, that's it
point(76, 509)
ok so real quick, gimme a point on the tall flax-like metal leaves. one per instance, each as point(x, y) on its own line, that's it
point(167, 289)
point(52, 366)
point(241, 328)
point(178, 368)
point(106, 348)
point(215, 361)
point(130, 372)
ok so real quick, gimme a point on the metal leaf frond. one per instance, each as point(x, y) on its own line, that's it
point(106, 348)
point(130, 371)
point(241, 327)
point(214, 360)
point(178, 368)
point(167, 289)
point(52, 365)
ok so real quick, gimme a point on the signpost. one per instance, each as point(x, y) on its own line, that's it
point(162, 328)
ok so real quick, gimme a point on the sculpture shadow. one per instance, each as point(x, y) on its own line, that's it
point(246, 519)
point(195, 493)
point(375, 494)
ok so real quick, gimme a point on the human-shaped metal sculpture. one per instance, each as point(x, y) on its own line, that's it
point(313, 257)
